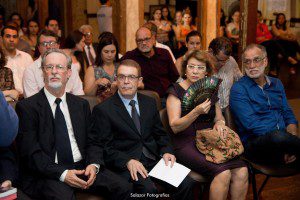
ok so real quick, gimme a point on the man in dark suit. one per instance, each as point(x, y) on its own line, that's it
point(58, 154)
point(90, 48)
point(130, 126)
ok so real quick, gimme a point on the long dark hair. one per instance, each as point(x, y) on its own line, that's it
point(283, 26)
point(169, 18)
point(106, 38)
point(73, 38)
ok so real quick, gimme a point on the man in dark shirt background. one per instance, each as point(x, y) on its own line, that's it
point(158, 68)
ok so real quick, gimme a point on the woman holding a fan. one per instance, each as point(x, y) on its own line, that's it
point(186, 117)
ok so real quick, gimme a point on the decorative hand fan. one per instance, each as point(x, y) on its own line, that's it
point(199, 91)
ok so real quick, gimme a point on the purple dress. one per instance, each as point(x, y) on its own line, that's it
point(184, 142)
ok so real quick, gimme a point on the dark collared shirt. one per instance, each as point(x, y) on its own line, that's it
point(259, 110)
point(158, 71)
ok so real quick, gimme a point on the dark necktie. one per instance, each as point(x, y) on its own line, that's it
point(136, 120)
point(135, 116)
point(62, 140)
point(91, 58)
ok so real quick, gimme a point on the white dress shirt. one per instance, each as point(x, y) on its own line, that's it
point(92, 52)
point(18, 64)
point(65, 110)
point(33, 80)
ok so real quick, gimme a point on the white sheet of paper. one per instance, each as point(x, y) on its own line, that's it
point(173, 176)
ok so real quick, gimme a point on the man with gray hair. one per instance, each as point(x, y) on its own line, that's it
point(90, 48)
point(265, 121)
point(58, 153)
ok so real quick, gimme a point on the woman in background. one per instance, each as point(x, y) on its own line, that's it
point(31, 36)
point(99, 80)
point(287, 40)
point(163, 27)
point(73, 46)
point(6, 80)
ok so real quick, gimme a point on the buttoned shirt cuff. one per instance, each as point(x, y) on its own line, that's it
point(63, 176)
point(97, 167)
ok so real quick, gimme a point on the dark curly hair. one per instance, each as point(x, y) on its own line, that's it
point(200, 56)
point(2, 58)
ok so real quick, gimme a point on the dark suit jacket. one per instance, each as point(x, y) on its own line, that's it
point(95, 46)
point(8, 165)
point(36, 138)
point(122, 140)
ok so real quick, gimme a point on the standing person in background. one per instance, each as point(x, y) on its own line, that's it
point(233, 31)
point(163, 27)
point(104, 16)
point(185, 29)
point(176, 27)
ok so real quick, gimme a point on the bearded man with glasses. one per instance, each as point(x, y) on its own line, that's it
point(265, 121)
point(33, 80)
point(157, 67)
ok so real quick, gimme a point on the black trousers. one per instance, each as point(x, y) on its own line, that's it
point(147, 188)
point(269, 149)
point(107, 184)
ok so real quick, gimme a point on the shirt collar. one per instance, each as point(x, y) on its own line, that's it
point(51, 98)
point(127, 101)
point(254, 83)
point(18, 53)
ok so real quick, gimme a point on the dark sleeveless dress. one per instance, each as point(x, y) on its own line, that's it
point(184, 142)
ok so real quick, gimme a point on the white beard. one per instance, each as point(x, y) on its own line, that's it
point(261, 71)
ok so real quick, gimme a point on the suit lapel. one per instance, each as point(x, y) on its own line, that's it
point(143, 111)
point(123, 113)
point(47, 120)
point(74, 115)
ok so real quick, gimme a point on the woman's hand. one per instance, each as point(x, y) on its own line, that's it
point(102, 82)
point(204, 107)
point(221, 128)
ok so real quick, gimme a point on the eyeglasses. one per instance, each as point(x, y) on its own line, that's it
point(50, 44)
point(198, 67)
point(87, 34)
point(140, 41)
point(255, 61)
point(58, 67)
point(131, 78)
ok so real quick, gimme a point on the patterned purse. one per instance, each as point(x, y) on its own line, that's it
point(219, 149)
